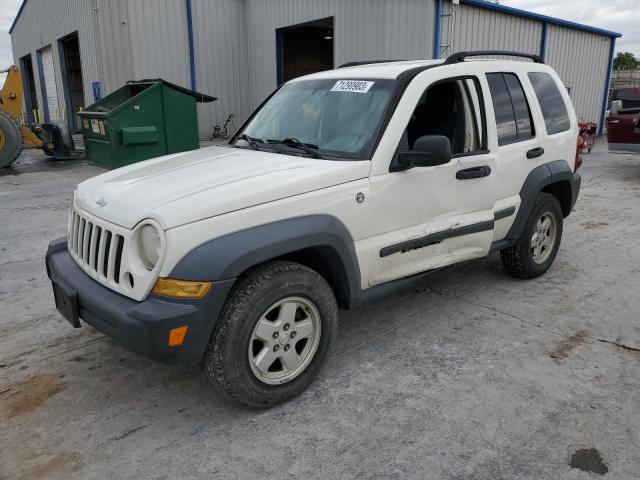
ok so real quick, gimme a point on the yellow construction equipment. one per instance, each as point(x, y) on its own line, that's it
point(54, 137)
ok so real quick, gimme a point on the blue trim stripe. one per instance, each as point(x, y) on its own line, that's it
point(606, 87)
point(543, 41)
point(437, 33)
point(541, 18)
point(24, 2)
point(192, 54)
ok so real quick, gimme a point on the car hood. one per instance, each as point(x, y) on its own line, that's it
point(190, 186)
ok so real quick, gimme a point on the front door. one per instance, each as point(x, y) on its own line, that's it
point(440, 215)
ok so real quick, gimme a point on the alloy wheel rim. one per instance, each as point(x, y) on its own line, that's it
point(544, 237)
point(284, 340)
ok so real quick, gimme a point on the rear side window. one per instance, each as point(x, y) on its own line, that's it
point(513, 116)
point(551, 103)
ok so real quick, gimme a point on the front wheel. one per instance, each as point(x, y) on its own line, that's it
point(273, 335)
point(535, 250)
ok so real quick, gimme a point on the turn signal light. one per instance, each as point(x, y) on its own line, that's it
point(176, 335)
point(170, 287)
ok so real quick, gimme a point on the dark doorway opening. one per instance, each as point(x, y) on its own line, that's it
point(29, 87)
point(72, 78)
point(304, 48)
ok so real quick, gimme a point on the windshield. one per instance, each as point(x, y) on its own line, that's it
point(337, 118)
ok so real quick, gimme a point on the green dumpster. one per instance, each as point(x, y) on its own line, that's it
point(143, 119)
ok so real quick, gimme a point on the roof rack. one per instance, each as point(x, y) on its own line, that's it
point(460, 56)
point(366, 62)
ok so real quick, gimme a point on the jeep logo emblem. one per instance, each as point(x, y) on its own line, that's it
point(101, 203)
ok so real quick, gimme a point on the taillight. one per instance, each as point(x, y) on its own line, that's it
point(578, 162)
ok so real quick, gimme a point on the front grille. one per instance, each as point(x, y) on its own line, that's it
point(103, 250)
point(96, 247)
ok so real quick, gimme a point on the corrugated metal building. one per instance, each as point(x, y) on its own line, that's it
point(240, 50)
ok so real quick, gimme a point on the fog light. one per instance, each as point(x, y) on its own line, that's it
point(176, 335)
point(170, 287)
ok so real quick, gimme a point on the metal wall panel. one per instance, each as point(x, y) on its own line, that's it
point(363, 30)
point(114, 37)
point(581, 60)
point(472, 28)
point(42, 23)
point(159, 40)
point(220, 42)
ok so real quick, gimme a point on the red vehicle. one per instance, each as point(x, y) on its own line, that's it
point(623, 125)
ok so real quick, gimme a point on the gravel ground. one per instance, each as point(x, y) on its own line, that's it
point(467, 374)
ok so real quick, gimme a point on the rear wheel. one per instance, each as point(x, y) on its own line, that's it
point(273, 335)
point(10, 139)
point(538, 244)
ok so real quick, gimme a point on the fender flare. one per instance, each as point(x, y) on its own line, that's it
point(227, 257)
point(536, 181)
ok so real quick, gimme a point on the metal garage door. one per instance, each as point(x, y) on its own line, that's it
point(50, 82)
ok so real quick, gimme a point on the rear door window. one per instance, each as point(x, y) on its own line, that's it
point(554, 111)
point(512, 112)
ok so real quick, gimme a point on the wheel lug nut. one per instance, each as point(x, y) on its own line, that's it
point(286, 347)
point(276, 348)
point(276, 334)
point(293, 334)
point(285, 327)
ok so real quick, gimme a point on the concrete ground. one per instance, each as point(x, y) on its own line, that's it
point(469, 374)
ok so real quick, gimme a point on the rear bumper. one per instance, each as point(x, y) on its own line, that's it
point(142, 327)
point(576, 181)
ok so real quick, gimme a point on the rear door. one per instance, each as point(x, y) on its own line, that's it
point(514, 134)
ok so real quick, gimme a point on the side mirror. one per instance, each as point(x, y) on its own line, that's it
point(616, 106)
point(428, 151)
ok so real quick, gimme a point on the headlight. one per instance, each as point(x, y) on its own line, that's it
point(150, 245)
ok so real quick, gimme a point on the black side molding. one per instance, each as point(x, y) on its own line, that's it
point(504, 213)
point(434, 238)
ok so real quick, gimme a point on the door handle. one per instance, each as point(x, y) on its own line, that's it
point(473, 172)
point(535, 152)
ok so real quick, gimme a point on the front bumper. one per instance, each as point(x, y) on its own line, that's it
point(142, 327)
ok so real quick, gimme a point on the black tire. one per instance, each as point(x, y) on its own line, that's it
point(518, 259)
point(226, 360)
point(11, 143)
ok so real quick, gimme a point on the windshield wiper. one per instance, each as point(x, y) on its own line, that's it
point(253, 142)
point(295, 143)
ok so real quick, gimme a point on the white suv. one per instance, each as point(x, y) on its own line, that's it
point(341, 182)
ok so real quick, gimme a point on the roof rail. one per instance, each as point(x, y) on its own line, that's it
point(366, 62)
point(460, 56)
